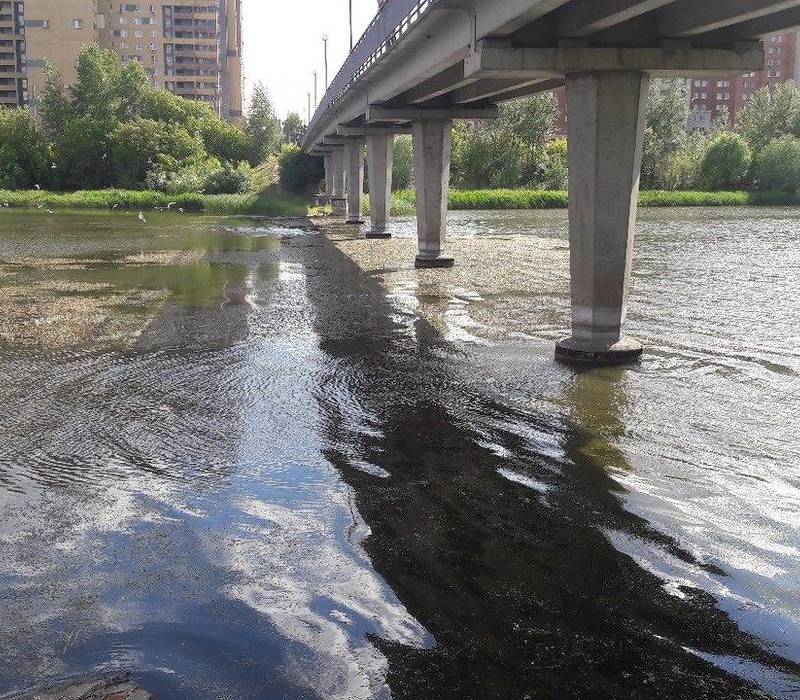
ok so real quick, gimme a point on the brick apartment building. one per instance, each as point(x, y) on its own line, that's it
point(709, 96)
point(192, 49)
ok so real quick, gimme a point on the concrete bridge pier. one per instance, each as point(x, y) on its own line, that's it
point(380, 161)
point(328, 160)
point(432, 150)
point(338, 201)
point(354, 163)
point(606, 132)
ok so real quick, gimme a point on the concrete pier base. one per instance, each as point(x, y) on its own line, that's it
point(606, 132)
point(338, 201)
point(380, 158)
point(572, 352)
point(354, 161)
point(432, 150)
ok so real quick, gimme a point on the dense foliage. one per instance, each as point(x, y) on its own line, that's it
point(112, 129)
point(725, 163)
point(778, 165)
point(300, 173)
point(510, 151)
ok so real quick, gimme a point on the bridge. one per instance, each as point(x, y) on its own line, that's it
point(423, 63)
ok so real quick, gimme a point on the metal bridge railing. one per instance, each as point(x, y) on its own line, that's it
point(391, 23)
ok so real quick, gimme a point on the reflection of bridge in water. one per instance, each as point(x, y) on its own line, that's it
point(423, 63)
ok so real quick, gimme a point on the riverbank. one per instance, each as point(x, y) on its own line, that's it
point(265, 204)
point(488, 200)
point(281, 204)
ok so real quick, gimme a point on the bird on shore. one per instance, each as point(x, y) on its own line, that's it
point(37, 187)
point(141, 218)
point(171, 204)
point(50, 211)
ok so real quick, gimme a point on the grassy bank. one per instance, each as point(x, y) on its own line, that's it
point(267, 204)
point(276, 203)
point(542, 199)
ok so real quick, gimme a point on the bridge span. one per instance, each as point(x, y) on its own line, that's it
point(423, 63)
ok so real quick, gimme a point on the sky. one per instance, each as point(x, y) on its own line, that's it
point(283, 45)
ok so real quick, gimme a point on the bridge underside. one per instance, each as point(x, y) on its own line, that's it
point(459, 59)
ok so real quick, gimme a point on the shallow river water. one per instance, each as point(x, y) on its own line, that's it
point(250, 461)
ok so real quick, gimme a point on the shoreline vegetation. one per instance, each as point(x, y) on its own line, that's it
point(277, 204)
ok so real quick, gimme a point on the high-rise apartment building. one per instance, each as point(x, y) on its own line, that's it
point(13, 81)
point(192, 48)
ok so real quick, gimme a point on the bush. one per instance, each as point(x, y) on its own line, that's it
point(403, 173)
point(300, 173)
point(228, 179)
point(556, 165)
point(24, 155)
point(778, 165)
point(725, 163)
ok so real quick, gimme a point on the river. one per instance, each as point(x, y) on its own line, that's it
point(244, 460)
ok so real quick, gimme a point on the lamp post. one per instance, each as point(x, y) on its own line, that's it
point(308, 95)
point(325, 43)
point(316, 101)
point(351, 25)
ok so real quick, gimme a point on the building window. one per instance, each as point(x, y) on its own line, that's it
point(77, 24)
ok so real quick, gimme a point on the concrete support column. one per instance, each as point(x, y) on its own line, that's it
point(328, 176)
point(338, 201)
point(606, 130)
point(380, 159)
point(432, 149)
point(354, 162)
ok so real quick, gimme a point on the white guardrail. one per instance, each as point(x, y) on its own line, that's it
point(394, 20)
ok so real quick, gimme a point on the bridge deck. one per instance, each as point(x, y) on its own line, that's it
point(423, 52)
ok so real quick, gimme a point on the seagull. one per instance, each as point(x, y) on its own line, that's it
point(141, 218)
point(171, 204)
point(37, 187)
point(180, 210)
point(53, 166)
point(40, 206)
point(50, 211)
point(114, 206)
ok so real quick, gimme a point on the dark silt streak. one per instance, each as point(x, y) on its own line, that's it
point(523, 593)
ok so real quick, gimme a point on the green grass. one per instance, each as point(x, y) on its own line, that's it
point(277, 203)
point(543, 199)
point(266, 204)
point(658, 198)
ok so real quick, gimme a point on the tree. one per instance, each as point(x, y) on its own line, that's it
point(666, 118)
point(768, 115)
point(725, 163)
point(111, 128)
point(24, 155)
point(300, 173)
point(262, 124)
point(403, 170)
point(506, 152)
point(778, 165)
point(293, 129)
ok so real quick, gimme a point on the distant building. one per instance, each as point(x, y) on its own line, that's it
point(192, 49)
point(708, 96)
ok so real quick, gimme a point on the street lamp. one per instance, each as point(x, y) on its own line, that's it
point(316, 101)
point(351, 25)
point(308, 94)
point(325, 42)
